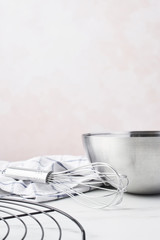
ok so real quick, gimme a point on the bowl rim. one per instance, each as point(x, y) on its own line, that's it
point(124, 134)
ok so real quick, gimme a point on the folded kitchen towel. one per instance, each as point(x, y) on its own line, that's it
point(39, 192)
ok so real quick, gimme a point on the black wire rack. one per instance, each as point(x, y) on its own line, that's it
point(28, 220)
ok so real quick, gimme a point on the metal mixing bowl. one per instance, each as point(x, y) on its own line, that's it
point(135, 154)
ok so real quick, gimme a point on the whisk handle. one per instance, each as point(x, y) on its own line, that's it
point(27, 174)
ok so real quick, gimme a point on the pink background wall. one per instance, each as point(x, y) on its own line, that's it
point(76, 66)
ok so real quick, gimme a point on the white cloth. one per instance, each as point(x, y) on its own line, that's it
point(38, 192)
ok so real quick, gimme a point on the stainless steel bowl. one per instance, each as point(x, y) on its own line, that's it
point(135, 154)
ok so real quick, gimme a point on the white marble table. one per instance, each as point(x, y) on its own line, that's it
point(136, 218)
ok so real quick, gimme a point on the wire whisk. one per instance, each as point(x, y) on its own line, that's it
point(79, 183)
